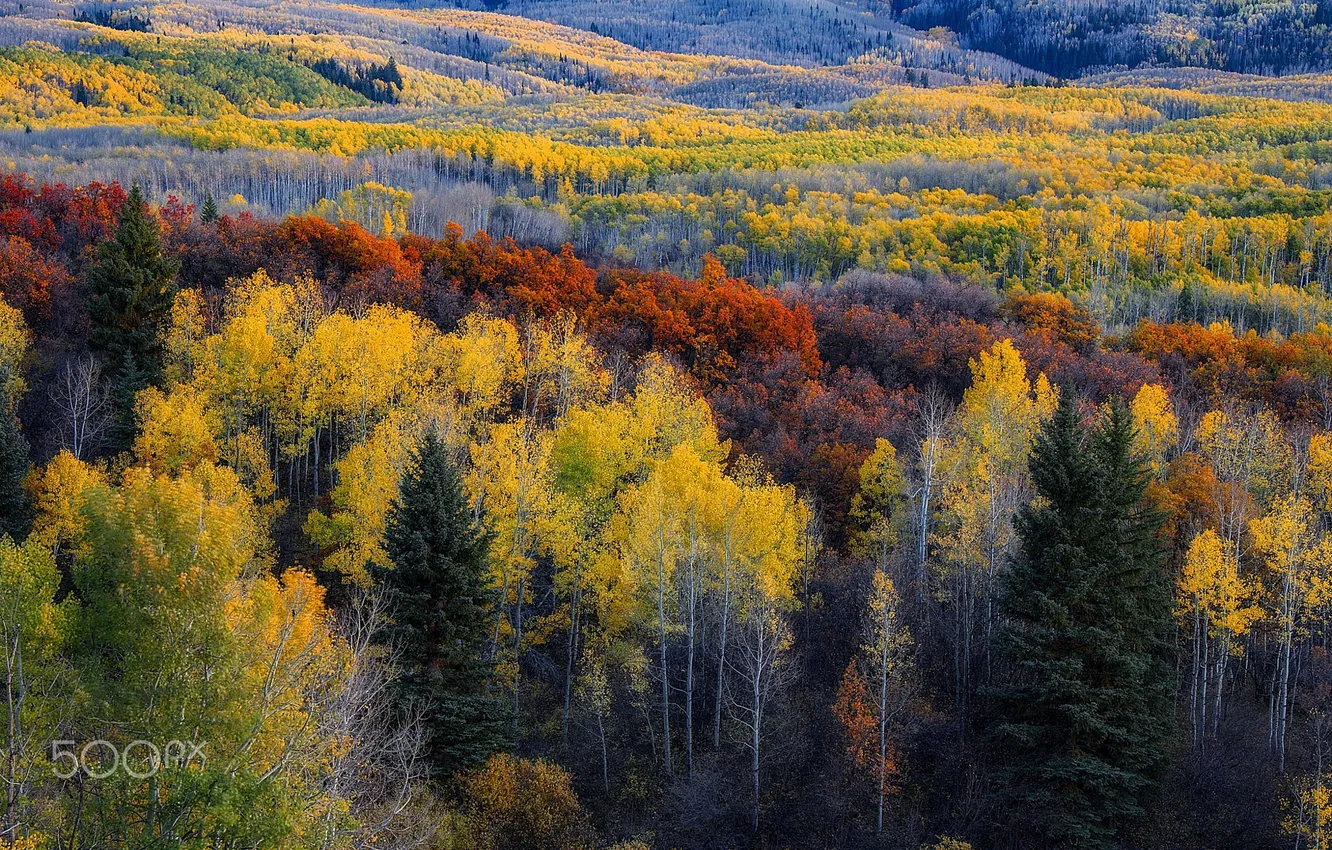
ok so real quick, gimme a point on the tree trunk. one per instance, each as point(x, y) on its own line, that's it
point(721, 659)
point(665, 678)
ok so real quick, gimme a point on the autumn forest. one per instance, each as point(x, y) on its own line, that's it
point(643, 424)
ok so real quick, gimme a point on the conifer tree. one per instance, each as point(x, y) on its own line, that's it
point(15, 509)
point(208, 212)
point(436, 592)
point(132, 287)
point(1083, 707)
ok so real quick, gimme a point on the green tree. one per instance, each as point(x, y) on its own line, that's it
point(132, 288)
point(15, 509)
point(436, 594)
point(208, 212)
point(1083, 705)
point(36, 687)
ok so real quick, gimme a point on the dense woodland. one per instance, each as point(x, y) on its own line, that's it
point(1067, 39)
point(629, 425)
point(748, 565)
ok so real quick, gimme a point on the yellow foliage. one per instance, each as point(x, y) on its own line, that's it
point(58, 495)
point(1156, 424)
point(176, 431)
point(13, 347)
point(1210, 586)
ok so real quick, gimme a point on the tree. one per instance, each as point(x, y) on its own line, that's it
point(1084, 705)
point(208, 212)
point(1287, 541)
point(926, 475)
point(1215, 599)
point(436, 592)
point(132, 289)
point(888, 657)
point(36, 686)
point(159, 578)
point(82, 404)
point(515, 804)
point(1000, 415)
point(762, 672)
point(15, 509)
point(1156, 424)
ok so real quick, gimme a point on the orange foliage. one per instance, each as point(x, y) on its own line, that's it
point(855, 715)
point(27, 278)
point(354, 264)
point(713, 323)
point(1052, 314)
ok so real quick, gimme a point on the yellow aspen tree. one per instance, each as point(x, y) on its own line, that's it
point(511, 483)
point(59, 492)
point(1284, 539)
point(368, 477)
point(996, 425)
point(649, 530)
point(185, 337)
point(1252, 462)
point(887, 652)
point(561, 369)
point(482, 363)
point(876, 506)
point(689, 484)
point(1217, 603)
point(1156, 424)
point(1311, 822)
point(176, 431)
point(37, 690)
point(13, 348)
point(1319, 470)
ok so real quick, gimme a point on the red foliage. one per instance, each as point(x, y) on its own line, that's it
point(28, 278)
point(517, 281)
point(713, 323)
point(1210, 366)
point(354, 264)
point(82, 217)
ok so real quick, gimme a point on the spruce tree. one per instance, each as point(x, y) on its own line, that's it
point(132, 288)
point(208, 212)
point(436, 592)
point(15, 509)
point(1082, 709)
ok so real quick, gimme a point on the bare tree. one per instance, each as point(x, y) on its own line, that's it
point(83, 402)
point(762, 672)
point(382, 773)
point(926, 475)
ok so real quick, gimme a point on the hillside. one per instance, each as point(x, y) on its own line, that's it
point(649, 425)
point(1070, 38)
point(1121, 189)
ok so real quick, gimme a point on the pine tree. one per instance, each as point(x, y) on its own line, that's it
point(208, 212)
point(15, 509)
point(436, 593)
point(1083, 707)
point(132, 288)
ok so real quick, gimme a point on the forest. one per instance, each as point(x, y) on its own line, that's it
point(632, 426)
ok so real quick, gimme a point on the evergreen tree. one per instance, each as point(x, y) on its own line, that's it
point(15, 510)
point(208, 212)
point(132, 287)
point(436, 593)
point(1083, 708)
